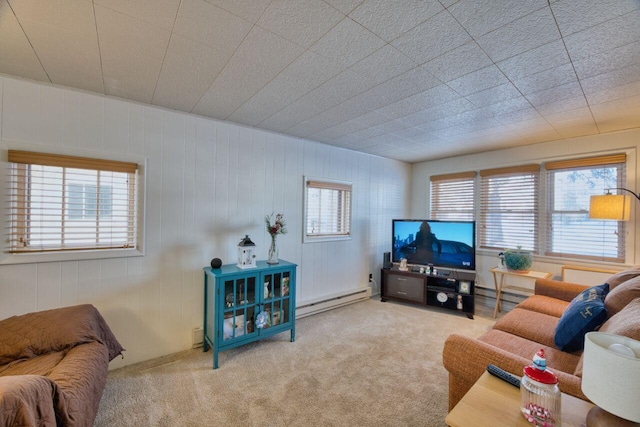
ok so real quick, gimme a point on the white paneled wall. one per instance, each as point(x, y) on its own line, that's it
point(208, 184)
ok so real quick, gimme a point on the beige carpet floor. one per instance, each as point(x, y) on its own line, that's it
point(366, 364)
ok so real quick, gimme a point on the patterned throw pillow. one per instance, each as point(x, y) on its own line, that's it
point(585, 313)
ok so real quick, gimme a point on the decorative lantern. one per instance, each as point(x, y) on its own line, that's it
point(246, 253)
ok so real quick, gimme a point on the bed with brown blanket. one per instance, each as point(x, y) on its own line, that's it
point(53, 366)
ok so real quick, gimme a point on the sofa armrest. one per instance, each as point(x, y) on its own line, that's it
point(29, 400)
point(570, 384)
point(466, 359)
point(58, 329)
point(82, 376)
point(557, 289)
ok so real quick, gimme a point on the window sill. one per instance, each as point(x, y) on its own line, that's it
point(308, 239)
point(559, 260)
point(69, 256)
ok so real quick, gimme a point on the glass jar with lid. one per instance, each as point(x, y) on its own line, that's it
point(540, 396)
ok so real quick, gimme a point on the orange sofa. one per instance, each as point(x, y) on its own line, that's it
point(530, 326)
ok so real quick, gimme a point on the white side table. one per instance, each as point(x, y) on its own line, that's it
point(500, 283)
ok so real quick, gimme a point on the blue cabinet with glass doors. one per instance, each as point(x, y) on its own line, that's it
point(247, 305)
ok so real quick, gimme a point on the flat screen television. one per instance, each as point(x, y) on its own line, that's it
point(448, 244)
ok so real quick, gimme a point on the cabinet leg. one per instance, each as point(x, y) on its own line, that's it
point(470, 316)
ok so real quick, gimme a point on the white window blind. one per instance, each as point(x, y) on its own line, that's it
point(61, 203)
point(569, 186)
point(452, 196)
point(328, 209)
point(509, 207)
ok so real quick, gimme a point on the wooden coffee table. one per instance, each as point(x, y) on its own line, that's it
point(493, 402)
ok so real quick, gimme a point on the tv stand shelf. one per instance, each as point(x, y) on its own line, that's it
point(453, 292)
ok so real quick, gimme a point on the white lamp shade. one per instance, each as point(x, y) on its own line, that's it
point(610, 379)
point(610, 206)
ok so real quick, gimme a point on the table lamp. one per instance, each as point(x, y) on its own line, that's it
point(611, 379)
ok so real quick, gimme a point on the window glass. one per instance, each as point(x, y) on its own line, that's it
point(571, 232)
point(55, 207)
point(327, 210)
point(509, 208)
point(452, 196)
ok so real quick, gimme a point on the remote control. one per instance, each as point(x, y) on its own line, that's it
point(504, 375)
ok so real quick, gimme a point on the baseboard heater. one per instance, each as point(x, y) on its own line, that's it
point(334, 302)
point(307, 309)
point(487, 297)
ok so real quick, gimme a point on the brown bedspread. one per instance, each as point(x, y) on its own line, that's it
point(53, 366)
point(29, 400)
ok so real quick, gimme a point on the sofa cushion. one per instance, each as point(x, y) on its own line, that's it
point(531, 325)
point(625, 323)
point(544, 304)
point(585, 313)
point(621, 295)
point(623, 276)
point(556, 360)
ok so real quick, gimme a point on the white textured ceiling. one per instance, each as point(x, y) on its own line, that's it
point(405, 79)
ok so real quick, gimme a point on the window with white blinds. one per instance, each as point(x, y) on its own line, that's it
point(570, 232)
point(452, 196)
point(327, 210)
point(509, 208)
point(65, 203)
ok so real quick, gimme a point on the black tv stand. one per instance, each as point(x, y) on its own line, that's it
point(453, 290)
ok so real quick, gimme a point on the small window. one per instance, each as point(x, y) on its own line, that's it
point(64, 203)
point(327, 210)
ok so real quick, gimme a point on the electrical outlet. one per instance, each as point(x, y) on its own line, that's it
point(370, 277)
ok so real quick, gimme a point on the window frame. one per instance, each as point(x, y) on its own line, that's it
point(484, 204)
point(464, 182)
point(8, 258)
point(331, 184)
point(583, 164)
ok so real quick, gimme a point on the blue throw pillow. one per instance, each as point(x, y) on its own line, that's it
point(585, 313)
